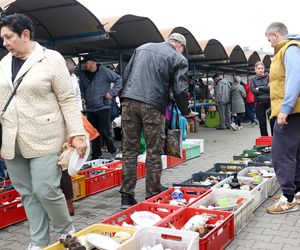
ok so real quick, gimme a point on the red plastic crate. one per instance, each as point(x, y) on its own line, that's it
point(141, 169)
point(11, 213)
point(162, 210)
point(174, 161)
point(264, 141)
point(218, 238)
point(7, 182)
point(101, 182)
point(188, 193)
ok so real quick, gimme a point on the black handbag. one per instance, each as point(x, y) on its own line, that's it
point(17, 84)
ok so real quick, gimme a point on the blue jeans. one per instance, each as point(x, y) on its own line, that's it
point(2, 169)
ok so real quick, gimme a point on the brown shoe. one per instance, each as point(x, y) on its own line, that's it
point(71, 207)
point(283, 206)
point(276, 197)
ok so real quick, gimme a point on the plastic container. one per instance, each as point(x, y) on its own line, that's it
point(79, 190)
point(117, 165)
point(242, 213)
point(5, 183)
point(227, 167)
point(98, 229)
point(177, 194)
point(192, 150)
point(162, 210)
point(174, 161)
point(264, 141)
point(13, 212)
point(96, 163)
point(272, 183)
point(164, 161)
point(100, 182)
point(198, 177)
point(217, 238)
point(260, 192)
point(169, 238)
point(196, 141)
point(188, 193)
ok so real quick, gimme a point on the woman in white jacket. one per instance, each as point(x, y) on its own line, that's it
point(40, 118)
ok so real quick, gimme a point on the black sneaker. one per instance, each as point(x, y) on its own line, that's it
point(127, 201)
point(220, 128)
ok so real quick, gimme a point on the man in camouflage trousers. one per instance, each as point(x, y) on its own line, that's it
point(153, 69)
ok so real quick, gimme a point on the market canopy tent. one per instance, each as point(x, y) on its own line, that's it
point(125, 34)
point(214, 51)
point(60, 23)
point(236, 55)
point(192, 44)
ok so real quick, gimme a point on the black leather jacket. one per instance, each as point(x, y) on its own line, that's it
point(152, 71)
point(262, 94)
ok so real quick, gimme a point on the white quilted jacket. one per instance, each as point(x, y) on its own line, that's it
point(43, 113)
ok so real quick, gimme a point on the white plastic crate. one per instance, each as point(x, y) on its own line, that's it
point(98, 162)
point(164, 161)
point(242, 215)
point(272, 183)
point(142, 158)
point(260, 192)
point(196, 141)
point(169, 238)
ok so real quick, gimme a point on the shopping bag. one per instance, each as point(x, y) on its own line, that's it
point(142, 144)
point(92, 132)
point(178, 121)
point(173, 144)
point(212, 119)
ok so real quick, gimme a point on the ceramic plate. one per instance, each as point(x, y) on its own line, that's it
point(76, 163)
point(102, 242)
point(145, 218)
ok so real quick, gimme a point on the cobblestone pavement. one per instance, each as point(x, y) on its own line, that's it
point(263, 232)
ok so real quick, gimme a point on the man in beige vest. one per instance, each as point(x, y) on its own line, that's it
point(285, 106)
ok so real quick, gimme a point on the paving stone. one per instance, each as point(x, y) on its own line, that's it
point(289, 247)
point(269, 231)
point(292, 242)
point(264, 245)
point(243, 243)
point(253, 230)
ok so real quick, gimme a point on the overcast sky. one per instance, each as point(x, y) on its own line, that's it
point(232, 22)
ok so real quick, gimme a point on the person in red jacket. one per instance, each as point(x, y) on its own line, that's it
point(250, 108)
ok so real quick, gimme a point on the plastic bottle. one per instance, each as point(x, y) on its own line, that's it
point(177, 194)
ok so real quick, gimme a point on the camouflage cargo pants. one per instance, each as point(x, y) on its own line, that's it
point(137, 117)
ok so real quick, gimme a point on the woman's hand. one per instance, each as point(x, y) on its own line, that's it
point(80, 144)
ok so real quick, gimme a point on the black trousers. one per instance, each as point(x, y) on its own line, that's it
point(286, 154)
point(260, 111)
point(238, 119)
point(101, 121)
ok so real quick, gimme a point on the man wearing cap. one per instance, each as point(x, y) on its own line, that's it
point(96, 92)
point(152, 71)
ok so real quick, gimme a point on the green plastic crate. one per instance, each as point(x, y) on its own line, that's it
point(192, 150)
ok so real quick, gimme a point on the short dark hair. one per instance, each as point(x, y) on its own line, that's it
point(18, 23)
point(216, 76)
